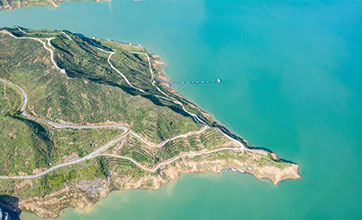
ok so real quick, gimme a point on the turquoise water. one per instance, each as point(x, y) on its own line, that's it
point(291, 73)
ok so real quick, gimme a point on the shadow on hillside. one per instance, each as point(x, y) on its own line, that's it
point(10, 205)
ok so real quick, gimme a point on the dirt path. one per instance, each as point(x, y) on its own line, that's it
point(95, 153)
point(126, 130)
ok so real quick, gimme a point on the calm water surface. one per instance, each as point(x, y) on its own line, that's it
point(291, 76)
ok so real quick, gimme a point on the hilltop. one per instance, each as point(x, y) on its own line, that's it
point(80, 117)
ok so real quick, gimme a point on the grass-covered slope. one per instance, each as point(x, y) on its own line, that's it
point(90, 93)
point(28, 145)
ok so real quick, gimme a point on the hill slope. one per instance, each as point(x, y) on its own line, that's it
point(80, 117)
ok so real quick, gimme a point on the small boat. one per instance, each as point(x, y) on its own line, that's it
point(218, 81)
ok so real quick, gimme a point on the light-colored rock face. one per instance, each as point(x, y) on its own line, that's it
point(92, 187)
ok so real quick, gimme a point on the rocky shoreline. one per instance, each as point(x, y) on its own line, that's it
point(85, 194)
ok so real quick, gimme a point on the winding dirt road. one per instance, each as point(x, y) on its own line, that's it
point(127, 131)
point(190, 154)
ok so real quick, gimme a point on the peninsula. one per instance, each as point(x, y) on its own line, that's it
point(80, 117)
